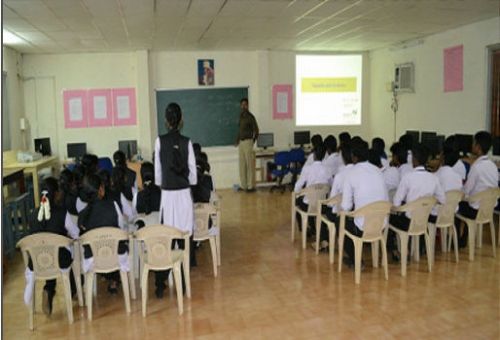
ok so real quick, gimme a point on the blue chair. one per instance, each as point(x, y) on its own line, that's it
point(282, 164)
point(15, 217)
point(297, 160)
point(106, 164)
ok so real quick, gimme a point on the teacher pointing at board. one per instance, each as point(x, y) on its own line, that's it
point(247, 135)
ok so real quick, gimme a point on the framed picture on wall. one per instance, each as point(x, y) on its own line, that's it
point(206, 72)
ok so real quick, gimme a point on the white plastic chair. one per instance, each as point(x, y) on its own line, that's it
point(487, 200)
point(446, 221)
point(202, 213)
point(152, 218)
point(419, 210)
point(159, 255)
point(77, 264)
point(375, 216)
point(104, 245)
point(43, 249)
point(313, 193)
point(320, 218)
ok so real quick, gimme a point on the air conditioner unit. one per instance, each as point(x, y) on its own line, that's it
point(404, 77)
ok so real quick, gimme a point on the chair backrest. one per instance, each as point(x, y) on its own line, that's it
point(104, 245)
point(315, 193)
point(487, 200)
point(282, 158)
point(105, 163)
point(375, 218)
point(158, 241)
point(43, 248)
point(202, 213)
point(420, 209)
point(151, 219)
point(446, 212)
point(297, 155)
point(215, 199)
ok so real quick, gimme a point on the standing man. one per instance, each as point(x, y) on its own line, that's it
point(247, 135)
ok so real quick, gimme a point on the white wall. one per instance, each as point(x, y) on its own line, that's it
point(12, 64)
point(430, 108)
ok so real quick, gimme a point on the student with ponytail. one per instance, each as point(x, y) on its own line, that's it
point(130, 176)
point(149, 198)
point(175, 172)
point(121, 193)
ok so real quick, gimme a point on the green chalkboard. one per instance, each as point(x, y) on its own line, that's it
point(211, 116)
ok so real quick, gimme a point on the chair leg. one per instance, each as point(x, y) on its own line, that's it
point(404, 252)
point(144, 291)
point(318, 229)
point(455, 241)
point(126, 290)
point(472, 238)
point(358, 252)
point(416, 247)
point(67, 296)
point(131, 273)
point(89, 287)
point(444, 236)
point(217, 242)
point(76, 267)
point(31, 319)
point(341, 249)
point(432, 235)
point(479, 235)
point(492, 230)
point(294, 217)
point(374, 246)
point(178, 287)
point(214, 254)
point(331, 243)
point(430, 256)
point(187, 277)
point(384, 258)
point(304, 229)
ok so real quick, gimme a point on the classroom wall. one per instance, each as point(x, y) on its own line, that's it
point(430, 108)
point(12, 65)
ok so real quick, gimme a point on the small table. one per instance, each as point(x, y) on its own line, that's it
point(14, 175)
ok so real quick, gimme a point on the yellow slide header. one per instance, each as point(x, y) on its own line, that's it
point(329, 84)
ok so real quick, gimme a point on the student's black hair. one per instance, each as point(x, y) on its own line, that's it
point(450, 143)
point(359, 149)
point(120, 159)
point(450, 157)
point(90, 192)
point(330, 143)
point(374, 158)
point(346, 152)
point(319, 152)
point(89, 164)
point(196, 149)
point(148, 181)
point(66, 181)
point(344, 137)
point(316, 140)
point(105, 179)
point(244, 100)
point(400, 153)
point(378, 145)
point(118, 183)
point(407, 141)
point(204, 159)
point(420, 153)
point(484, 140)
point(173, 115)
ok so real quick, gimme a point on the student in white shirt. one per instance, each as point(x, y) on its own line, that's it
point(483, 175)
point(363, 185)
point(378, 145)
point(407, 143)
point(316, 141)
point(390, 173)
point(400, 159)
point(414, 185)
point(344, 138)
point(459, 167)
point(333, 160)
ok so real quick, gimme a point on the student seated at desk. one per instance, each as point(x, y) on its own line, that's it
point(101, 212)
point(416, 184)
point(130, 175)
point(333, 160)
point(378, 145)
point(51, 217)
point(400, 159)
point(390, 173)
point(121, 192)
point(364, 184)
point(483, 175)
point(316, 141)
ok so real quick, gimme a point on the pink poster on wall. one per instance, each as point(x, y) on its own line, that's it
point(75, 108)
point(99, 107)
point(282, 101)
point(124, 106)
point(453, 68)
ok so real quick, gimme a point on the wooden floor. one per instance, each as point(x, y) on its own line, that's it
point(268, 287)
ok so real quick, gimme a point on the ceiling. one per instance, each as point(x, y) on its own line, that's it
point(60, 26)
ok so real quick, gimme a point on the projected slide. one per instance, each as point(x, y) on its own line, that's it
point(328, 89)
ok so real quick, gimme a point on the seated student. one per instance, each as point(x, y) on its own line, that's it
point(450, 143)
point(130, 175)
point(49, 218)
point(364, 184)
point(148, 199)
point(390, 173)
point(400, 159)
point(406, 141)
point(333, 160)
point(378, 145)
point(316, 141)
point(106, 181)
point(89, 164)
point(483, 175)
point(414, 185)
point(68, 187)
point(121, 193)
point(344, 138)
point(203, 189)
point(101, 212)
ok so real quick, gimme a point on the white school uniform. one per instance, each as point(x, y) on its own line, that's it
point(316, 173)
point(405, 169)
point(417, 184)
point(80, 205)
point(449, 180)
point(176, 208)
point(483, 175)
point(363, 185)
point(391, 177)
point(338, 183)
point(310, 158)
point(409, 158)
point(460, 169)
point(333, 162)
point(385, 162)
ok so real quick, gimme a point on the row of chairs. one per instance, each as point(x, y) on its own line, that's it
point(149, 249)
point(376, 226)
point(287, 162)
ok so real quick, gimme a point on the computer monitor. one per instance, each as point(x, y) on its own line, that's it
point(415, 135)
point(42, 145)
point(76, 150)
point(464, 143)
point(301, 137)
point(426, 135)
point(496, 146)
point(265, 140)
point(128, 147)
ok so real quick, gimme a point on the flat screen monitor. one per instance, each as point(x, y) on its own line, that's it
point(129, 148)
point(42, 145)
point(464, 143)
point(301, 137)
point(496, 146)
point(415, 135)
point(426, 135)
point(265, 140)
point(76, 150)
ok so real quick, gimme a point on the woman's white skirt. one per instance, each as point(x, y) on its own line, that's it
point(177, 209)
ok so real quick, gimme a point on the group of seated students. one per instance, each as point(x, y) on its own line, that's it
point(364, 175)
point(97, 198)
